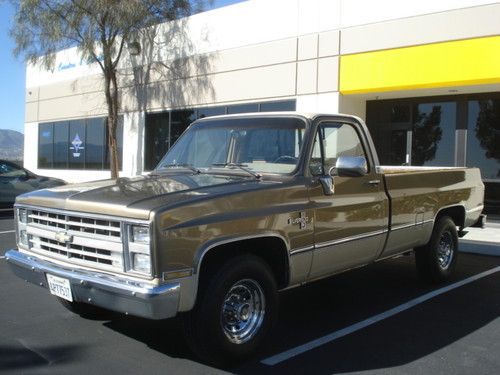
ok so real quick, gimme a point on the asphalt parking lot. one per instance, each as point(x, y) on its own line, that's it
point(379, 319)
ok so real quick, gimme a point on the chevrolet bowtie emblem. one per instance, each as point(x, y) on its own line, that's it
point(64, 237)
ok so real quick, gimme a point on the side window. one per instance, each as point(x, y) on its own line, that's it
point(333, 140)
point(7, 170)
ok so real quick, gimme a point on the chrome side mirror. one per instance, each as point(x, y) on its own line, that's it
point(351, 166)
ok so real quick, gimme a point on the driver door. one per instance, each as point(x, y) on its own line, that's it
point(351, 224)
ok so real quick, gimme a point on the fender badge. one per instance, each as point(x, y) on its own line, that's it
point(302, 220)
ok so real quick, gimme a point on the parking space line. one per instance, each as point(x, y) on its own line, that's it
point(8, 231)
point(281, 357)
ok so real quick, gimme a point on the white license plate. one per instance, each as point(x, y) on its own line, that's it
point(60, 287)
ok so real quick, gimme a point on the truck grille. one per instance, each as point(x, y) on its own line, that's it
point(88, 241)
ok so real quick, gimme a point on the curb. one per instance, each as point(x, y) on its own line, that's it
point(479, 247)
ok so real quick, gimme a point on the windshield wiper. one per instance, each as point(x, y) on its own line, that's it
point(188, 166)
point(242, 167)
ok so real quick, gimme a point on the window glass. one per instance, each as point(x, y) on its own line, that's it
point(338, 140)
point(433, 138)
point(157, 137)
point(180, 120)
point(212, 111)
point(400, 113)
point(45, 148)
point(10, 171)
point(243, 108)
point(61, 145)
point(483, 137)
point(77, 144)
point(256, 144)
point(287, 105)
point(94, 143)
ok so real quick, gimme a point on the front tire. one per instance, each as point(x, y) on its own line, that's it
point(234, 311)
point(436, 261)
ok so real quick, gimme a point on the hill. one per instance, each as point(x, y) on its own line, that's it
point(11, 144)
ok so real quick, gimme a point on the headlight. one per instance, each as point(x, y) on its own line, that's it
point(21, 224)
point(23, 237)
point(140, 234)
point(139, 249)
point(22, 214)
point(141, 263)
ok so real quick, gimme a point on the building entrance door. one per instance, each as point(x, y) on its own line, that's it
point(420, 134)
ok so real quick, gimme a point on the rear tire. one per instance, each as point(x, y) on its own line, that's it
point(436, 261)
point(233, 312)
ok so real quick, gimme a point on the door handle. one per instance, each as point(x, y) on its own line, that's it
point(373, 182)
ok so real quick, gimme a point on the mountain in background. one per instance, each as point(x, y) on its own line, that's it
point(11, 145)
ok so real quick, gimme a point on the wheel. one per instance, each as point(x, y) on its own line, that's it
point(234, 312)
point(85, 310)
point(436, 260)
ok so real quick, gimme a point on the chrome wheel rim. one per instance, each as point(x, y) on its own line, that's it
point(446, 249)
point(243, 311)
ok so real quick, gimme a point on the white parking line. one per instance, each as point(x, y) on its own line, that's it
point(8, 231)
point(278, 358)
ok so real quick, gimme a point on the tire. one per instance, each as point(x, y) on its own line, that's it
point(436, 261)
point(85, 310)
point(234, 312)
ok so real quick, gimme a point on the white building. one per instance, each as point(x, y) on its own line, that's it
point(425, 75)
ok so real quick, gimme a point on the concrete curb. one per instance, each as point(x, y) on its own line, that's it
point(484, 241)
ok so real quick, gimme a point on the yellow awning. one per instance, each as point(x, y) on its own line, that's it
point(447, 64)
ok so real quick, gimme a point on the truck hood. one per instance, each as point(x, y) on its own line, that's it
point(137, 197)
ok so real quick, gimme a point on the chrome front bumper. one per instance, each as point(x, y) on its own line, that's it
point(99, 289)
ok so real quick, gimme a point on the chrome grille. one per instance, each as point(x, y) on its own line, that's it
point(75, 223)
point(89, 241)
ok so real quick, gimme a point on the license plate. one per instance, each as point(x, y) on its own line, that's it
point(60, 287)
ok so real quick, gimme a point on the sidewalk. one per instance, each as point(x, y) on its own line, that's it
point(482, 241)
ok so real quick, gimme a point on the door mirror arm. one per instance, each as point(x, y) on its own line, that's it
point(327, 182)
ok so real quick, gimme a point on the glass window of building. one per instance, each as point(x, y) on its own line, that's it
point(96, 132)
point(433, 136)
point(211, 111)
point(179, 121)
point(76, 144)
point(45, 145)
point(281, 106)
point(242, 108)
point(483, 137)
point(61, 145)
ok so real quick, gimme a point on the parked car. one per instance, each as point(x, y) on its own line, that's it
point(238, 209)
point(15, 180)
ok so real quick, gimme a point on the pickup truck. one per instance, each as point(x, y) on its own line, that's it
point(240, 208)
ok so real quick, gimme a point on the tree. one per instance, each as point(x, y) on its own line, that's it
point(487, 128)
point(427, 133)
point(100, 29)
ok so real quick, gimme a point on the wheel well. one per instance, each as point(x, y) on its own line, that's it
point(456, 213)
point(271, 249)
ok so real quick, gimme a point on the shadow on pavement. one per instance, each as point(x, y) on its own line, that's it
point(18, 357)
point(321, 308)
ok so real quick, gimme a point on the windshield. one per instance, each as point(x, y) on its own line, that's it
point(268, 145)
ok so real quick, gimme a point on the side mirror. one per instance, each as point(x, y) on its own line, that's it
point(351, 166)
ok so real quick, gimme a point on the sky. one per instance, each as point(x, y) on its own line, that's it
point(12, 71)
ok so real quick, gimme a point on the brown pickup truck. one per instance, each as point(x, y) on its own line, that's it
point(240, 208)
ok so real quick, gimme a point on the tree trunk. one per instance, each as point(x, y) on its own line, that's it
point(111, 91)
